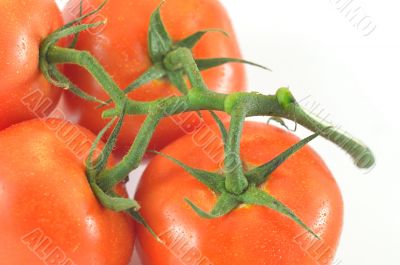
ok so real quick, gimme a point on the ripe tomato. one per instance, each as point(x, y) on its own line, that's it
point(48, 213)
point(121, 47)
point(250, 234)
point(24, 24)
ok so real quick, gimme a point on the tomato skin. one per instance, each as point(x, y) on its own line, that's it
point(44, 192)
point(121, 47)
point(251, 234)
point(24, 24)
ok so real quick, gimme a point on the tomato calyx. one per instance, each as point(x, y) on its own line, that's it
point(228, 201)
point(105, 193)
point(171, 59)
point(176, 57)
point(106, 196)
point(48, 49)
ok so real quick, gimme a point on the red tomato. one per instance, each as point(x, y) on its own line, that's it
point(250, 234)
point(48, 213)
point(24, 24)
point(121, 47)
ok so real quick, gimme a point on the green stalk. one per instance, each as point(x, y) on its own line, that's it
point(259, 105)
point(362, 156)
point(236, 182)
point(110, 177)
point(58, 55)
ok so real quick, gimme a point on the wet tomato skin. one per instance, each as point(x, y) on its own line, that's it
point(48, 212)
point(24, 25)
point(250, 234)
point(121, 47)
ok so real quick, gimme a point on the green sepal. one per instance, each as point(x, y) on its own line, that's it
point(50, 72)
point(115, 203)
point(140, 219)
point(51, 40)
point(225, 204)
point(155, 72)
point(91, 169)
point(159, 41)
point(255, 196)
point(109, 201)
point(60, 80)
point(74, 41)
point(191, 41)
point(214, 181)
point(282, 123)
point(204, 64)
point(260, 174)
point(222, 128)
point(79, 19)
point(52, 75)
point(101, 161)
point(59, 34)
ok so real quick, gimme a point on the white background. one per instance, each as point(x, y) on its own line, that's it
point(313, 48)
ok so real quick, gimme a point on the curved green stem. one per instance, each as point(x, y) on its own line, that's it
point(360, 153)
point(235, 182)
point(362, 156)
point(110, 177)
point(194, 101)
point(259, 105)
point(58, 55)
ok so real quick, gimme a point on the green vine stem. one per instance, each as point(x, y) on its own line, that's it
point(235, 182)
point(58, 55)
point(110, 177)
point(175, 61)
point(280, 105)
